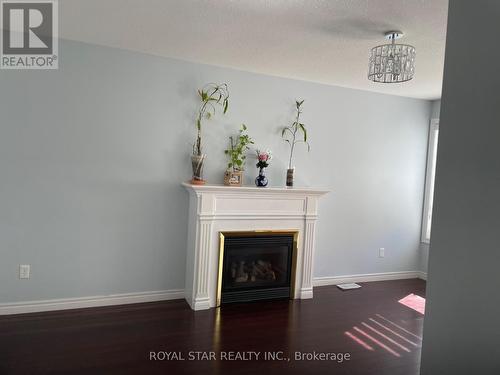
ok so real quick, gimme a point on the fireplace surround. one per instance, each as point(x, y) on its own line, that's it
point(216, 212)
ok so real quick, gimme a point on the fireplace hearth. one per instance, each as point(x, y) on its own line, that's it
point(256, 266)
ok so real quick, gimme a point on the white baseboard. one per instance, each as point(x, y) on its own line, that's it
point(422, 275)
point(95, 301)
point(165, 295)
point(363, 278)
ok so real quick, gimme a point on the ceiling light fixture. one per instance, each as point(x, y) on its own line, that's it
point(392, 63)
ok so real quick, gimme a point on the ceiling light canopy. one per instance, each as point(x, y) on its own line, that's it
point(392, 63)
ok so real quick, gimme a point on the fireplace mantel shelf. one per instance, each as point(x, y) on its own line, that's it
point(253, 189)
point(215, 209)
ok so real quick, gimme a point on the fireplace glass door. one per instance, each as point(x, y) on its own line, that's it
point(256, 267)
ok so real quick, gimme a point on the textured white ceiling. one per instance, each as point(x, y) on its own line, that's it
point(322, 41)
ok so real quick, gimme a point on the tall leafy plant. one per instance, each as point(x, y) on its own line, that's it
point(211, 95)
point(295, 133)
point(238, 146)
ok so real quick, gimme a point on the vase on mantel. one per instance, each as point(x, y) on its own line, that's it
point(261, 180)
point(197, 162)
point(289, 176)
point(263, 158)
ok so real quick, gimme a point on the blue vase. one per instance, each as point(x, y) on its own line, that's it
point(261, 180)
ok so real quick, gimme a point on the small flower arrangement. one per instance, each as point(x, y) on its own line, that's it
point(263, 157)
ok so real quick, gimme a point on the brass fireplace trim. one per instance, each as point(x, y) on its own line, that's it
point(255, 233)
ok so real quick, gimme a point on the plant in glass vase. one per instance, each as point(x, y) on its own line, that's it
point(263, 158)
point(211, 96)
point(238, 146)
point(293, 134)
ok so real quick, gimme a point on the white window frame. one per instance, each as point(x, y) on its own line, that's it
point(429, 180)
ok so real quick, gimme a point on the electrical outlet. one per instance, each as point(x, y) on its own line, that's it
point(381, 252)
point(24, 271)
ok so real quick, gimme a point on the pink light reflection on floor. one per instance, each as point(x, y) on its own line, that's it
point(398, 326)
point(358, 340)
point(414, 302)
point(393, 332)
point(386, 337)
point(381, 344)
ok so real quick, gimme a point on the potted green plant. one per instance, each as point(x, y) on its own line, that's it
point(212, 96)
point(294, 134)
point(238, 146)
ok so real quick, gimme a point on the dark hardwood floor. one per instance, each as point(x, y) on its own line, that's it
point(119, 339)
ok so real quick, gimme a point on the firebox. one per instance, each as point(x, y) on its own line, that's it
point(256, 266)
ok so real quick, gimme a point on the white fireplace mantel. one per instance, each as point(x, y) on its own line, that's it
point(216, 208)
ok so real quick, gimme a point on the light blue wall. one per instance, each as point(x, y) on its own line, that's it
point(92, 156)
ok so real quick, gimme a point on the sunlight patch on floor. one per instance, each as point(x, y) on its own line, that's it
point(384, 334)
point(414, 302)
